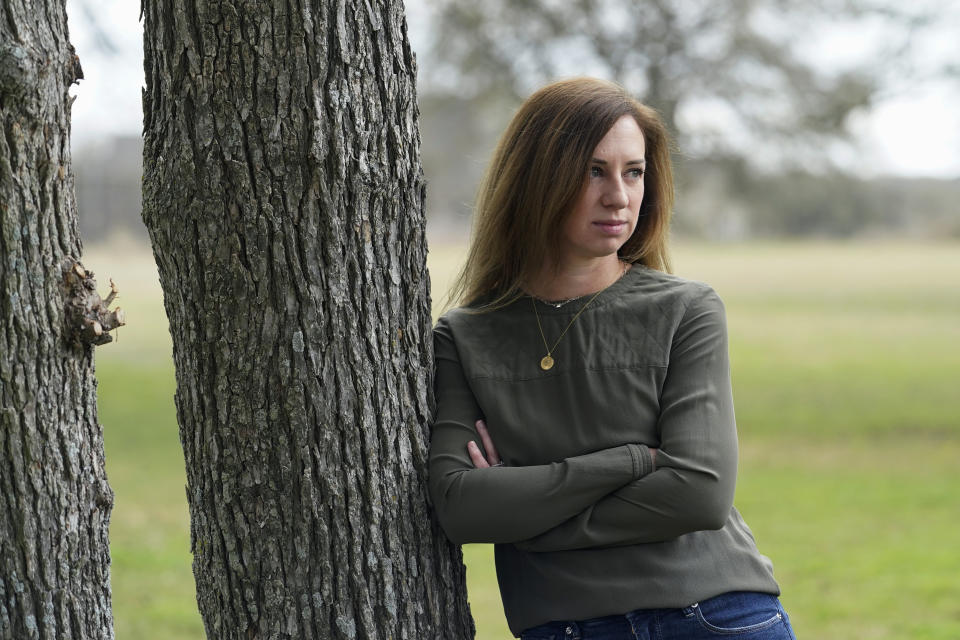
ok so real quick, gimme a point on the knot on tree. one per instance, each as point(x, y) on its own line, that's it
point(73, 73)
point(88, 317)
point(22, 68)
point(19, 69)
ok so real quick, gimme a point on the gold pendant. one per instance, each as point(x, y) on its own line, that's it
point(546, 362)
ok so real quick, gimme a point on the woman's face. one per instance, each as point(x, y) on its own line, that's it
point(605, 216)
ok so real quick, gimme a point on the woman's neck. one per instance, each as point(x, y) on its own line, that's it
point(572, 280)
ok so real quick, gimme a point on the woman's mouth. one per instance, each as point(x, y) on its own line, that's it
point(611, 227)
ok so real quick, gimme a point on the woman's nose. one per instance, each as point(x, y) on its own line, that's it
point(615, 195)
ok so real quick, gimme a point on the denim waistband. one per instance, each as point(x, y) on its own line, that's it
point(758, 614)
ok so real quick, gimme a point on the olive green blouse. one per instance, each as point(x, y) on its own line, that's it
point(584, 524)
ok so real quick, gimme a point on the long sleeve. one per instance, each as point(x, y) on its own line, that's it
point(692, 487)
point(508, 504)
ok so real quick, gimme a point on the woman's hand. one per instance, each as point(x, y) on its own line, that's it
point(493, 458)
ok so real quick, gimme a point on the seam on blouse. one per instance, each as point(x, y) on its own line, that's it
point(635, 458)
point(703, 290)
point(560, 373)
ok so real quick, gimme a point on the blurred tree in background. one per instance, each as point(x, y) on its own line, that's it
point(739, 58)
point(739, 84)
point(765, 98)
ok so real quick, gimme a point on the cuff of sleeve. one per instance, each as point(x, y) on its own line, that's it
point(642, 460)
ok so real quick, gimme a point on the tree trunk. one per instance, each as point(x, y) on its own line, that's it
point(284, 199)
point(54, 499)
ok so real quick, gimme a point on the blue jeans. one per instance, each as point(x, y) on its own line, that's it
point(738, 614)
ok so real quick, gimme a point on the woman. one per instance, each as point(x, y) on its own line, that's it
point(584, 413)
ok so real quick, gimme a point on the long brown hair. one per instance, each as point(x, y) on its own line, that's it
point(536, 175)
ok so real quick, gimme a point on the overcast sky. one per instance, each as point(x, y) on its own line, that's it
point(914, 133)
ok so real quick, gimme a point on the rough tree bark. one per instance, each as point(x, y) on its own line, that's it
point(284, 199)
point(54, 499)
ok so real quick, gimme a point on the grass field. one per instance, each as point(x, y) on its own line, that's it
point(846, 364)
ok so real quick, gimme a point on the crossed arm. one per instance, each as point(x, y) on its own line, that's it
point(606, 498)
point(509, 504)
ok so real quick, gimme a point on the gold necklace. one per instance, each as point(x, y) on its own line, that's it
point(547, 361)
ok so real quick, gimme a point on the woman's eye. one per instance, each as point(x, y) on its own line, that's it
point(635, 173)
point(596, 172)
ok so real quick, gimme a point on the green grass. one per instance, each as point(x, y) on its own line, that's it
point(863, 535)
point(153, 589)
point(846, 361)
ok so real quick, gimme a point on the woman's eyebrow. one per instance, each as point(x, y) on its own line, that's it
point(599, 161)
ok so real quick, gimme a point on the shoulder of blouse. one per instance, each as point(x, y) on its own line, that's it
point(668, 290)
